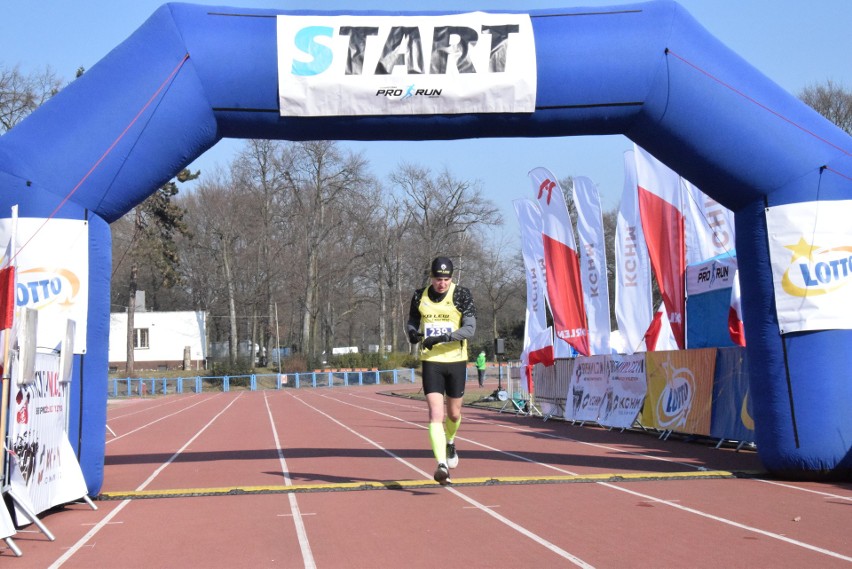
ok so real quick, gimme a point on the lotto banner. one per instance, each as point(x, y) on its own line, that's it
point(680, 391)
point(44, 471)
point(52, 265)
point(587, 389)
point(626, 391)
point(810, 249)
point(406, 65)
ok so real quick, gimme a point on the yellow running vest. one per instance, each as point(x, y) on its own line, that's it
point(438, 318)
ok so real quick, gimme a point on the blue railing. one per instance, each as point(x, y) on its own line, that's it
point(130, 387)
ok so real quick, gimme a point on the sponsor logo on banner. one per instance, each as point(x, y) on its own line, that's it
point(816, 270)
point(406, 65)
point(711, 275)
point(675, 400)
point(40, 287)
point(810, 248)
point(52, 275)
point(680, 390)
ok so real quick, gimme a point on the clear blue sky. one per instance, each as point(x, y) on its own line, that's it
point(796, 43)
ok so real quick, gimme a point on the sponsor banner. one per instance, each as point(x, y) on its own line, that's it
point(625, 392)
point(810, 250)
point(587, 389)
point(713, 274)
point(732, 413)
point(406, 65)
point(593, 263)
point(634, 307)
point(52, 265)
point(680, 390)
point(44, 470)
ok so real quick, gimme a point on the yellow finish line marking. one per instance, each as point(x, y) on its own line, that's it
point(408, 484)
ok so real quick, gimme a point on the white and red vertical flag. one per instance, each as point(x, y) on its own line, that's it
point(662, 221)
point(565, 293)
point(659, 337)
point(708, 225)
point(593, 264)
point(538, 336)
point(735, 314)
point(634, 307)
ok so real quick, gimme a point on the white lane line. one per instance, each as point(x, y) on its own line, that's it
point(301, 532)
point(164, 403)
point(163, 418)
point(108, 518)
point(572, 440)
point(732, 523)
point(606, 447)
point(502, 519)
point(645, 496)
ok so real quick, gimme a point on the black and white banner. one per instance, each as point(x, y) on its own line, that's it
point(44, 470)
point(406, 65)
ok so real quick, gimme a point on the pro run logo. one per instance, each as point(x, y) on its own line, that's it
point(409, 92)
point(816, 270)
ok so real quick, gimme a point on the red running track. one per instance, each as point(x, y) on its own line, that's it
point(204, 445)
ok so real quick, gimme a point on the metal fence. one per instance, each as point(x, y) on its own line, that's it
point(136, 387)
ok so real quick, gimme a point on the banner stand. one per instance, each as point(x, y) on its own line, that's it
point(13, 546)
point(22, 506)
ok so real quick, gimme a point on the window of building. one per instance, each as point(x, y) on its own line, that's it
point(140, 338)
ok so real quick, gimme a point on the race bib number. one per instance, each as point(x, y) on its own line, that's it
point(437, 329)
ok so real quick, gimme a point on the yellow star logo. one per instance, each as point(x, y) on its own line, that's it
point(801, 249)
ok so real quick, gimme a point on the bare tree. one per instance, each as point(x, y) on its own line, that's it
point(831, 101)
point(219, 218)
point(501, 277)
point(319, 176)
point(257, 173)
point(443, 210)
point(21, 94)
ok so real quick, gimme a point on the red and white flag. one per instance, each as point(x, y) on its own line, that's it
point(735, 314)
point(565, 293)
point(659, 337)
point(538, 336)
point(662, 220)
point(634, 307)
point(593, 264)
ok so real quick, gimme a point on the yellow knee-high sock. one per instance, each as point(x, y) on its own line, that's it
point(439, 441)
point(451, 428)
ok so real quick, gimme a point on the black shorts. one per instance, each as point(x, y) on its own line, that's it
point(444, 378)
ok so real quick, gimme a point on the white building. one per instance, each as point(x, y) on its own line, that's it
point(161, 340)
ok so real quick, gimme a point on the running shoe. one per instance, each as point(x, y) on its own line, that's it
point(452, 457)
point(442, 474)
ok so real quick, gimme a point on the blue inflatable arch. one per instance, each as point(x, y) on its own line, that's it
point(648, 71)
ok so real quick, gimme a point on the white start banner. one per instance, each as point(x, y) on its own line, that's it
point(406, 65)
point(810, 249)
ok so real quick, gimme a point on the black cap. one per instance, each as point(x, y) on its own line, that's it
point(442, 267)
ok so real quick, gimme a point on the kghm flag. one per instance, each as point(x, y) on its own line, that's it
point(538, 336)
point(593, 263)
point(634, 307)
